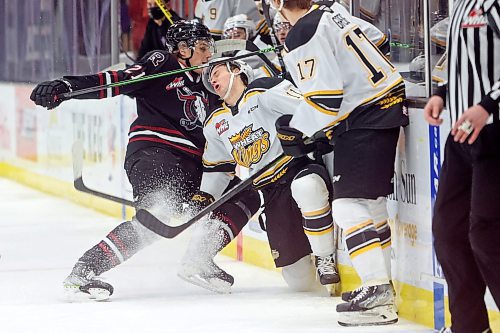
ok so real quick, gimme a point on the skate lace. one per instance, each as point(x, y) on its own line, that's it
point(363, 291)
point(325, 265)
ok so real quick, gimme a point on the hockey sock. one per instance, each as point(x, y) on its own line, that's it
point(119, 245)
point(318, 226)
point(384, 233)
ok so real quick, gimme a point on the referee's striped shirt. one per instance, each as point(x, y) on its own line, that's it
point(473, 58)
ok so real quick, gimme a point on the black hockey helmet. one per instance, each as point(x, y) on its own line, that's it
point(189, 32)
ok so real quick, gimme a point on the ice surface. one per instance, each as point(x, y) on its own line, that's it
point(42, 236)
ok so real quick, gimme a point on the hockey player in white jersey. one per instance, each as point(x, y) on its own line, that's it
point(214, 14)
point(296, 191)
point(354, 93)
point(240, 27)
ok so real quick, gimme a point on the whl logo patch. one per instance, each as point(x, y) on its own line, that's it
point(222, 126)
point(475, 19)
point(178, 82)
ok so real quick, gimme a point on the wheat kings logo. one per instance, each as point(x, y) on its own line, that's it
point(249, 146)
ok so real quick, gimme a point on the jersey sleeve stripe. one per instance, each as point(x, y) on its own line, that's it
point(325, 101)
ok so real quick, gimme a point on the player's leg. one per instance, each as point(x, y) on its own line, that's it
point(288, 243)
point(301, 275)
point(364, 167)
point(157, 181)
point(312, 194)
point(378, 210)
point(210, 236)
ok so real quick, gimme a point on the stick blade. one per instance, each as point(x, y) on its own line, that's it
point(77, 152)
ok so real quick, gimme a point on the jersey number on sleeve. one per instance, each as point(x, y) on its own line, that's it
point(306, 69)
point(354, 41)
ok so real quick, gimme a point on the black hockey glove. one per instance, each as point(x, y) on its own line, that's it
point(322, 145)
point(291, 139)
point(200, 201)
point(47, 94)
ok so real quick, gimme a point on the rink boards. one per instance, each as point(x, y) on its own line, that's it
point(35, 149)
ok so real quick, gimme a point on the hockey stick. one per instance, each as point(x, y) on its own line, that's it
point(157, 226)
point(79, 92)
point(165, 11)
point(274, 39)
point(228, 45)
point(78, 179)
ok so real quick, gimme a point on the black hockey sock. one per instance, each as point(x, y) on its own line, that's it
point(119, 245)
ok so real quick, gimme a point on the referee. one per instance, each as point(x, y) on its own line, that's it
point(466, 224)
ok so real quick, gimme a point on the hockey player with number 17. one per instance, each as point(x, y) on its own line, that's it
point(351, 90)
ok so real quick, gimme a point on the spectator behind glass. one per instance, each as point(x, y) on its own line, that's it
point(156, 30)
point(125, 25)
point(138, 13)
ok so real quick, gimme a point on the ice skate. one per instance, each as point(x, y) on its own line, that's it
point(327, 270)
point(82, 285)
point(207, 275)
point(373, 305)
point(349, 295)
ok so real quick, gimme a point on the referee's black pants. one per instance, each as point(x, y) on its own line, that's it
point(466, 227)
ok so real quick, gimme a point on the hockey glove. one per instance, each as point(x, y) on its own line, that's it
point(47, 94)
point(200, 201)
point(291, 139)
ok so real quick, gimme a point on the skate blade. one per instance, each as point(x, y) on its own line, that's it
point(381, 315)
point(214, 285)
point(73, 294)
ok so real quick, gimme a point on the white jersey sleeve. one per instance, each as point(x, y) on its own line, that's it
point(218, 164)
point(335, 66)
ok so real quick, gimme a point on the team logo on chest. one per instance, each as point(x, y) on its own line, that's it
point(195, 105)
point(249, 146)
point(475, 19)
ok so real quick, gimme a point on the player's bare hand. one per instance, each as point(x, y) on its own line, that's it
point(433, 109)
point(470, 124)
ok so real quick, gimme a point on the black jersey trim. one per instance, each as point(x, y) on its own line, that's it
point(304, 30)
point(220, 110)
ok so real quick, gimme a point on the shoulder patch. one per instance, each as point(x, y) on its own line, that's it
point(303, 30)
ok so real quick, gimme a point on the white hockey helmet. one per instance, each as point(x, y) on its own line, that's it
point(280, 22)
point(243, 67)
point(239, 21)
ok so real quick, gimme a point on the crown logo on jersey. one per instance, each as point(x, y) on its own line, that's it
point(475, 19)
point(178, 82)
point(249, 146)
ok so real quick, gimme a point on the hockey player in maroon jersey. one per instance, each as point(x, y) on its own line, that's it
point(163, 160)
